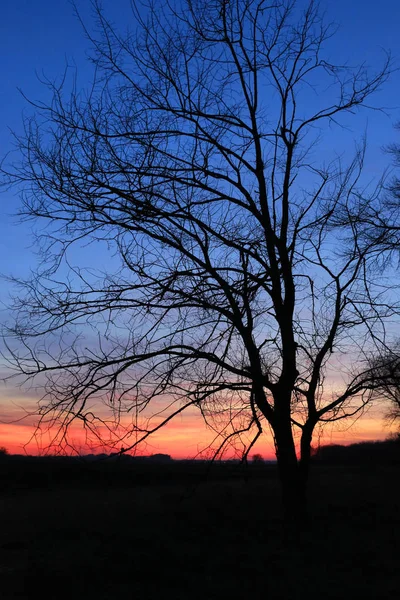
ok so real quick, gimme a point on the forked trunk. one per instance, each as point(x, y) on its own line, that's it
point(293, 477)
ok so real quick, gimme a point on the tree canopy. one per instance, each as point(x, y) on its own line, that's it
point(246, 287)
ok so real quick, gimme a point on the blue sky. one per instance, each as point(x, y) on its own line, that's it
point(39, 38)
point(42, 37)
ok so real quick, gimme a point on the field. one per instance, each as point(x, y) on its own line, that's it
point(166, 532)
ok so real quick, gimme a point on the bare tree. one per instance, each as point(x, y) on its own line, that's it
point(380, 216)
point(385, 368)
point(238, 292)
point(378, 222)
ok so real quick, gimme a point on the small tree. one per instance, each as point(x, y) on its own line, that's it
point(379, 227)
point(193, 156)
point(386, 372)
point(257, 459)
point(380, 219)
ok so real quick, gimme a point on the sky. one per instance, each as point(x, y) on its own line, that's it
point(38, 39)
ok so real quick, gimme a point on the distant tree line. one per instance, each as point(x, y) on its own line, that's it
point(382, 452)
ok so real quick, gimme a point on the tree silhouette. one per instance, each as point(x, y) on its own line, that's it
point(379, 225)
point(257, 459)
point(381, 218)
point(239, 290)
point(385, 368)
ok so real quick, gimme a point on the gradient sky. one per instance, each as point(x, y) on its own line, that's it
point(38, 39)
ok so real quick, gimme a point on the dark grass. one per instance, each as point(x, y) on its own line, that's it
point(116, 534)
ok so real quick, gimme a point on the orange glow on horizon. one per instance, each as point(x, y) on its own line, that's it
point(184, 439)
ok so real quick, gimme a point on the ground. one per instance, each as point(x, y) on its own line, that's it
point(182, 537)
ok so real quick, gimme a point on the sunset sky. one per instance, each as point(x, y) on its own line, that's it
point(38, 39)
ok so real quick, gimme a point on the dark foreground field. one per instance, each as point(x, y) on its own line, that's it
point(159, 533)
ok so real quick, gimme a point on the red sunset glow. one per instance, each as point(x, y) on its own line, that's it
point(186, 437)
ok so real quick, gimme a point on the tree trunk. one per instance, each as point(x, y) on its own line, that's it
point(305, 450)
point(293, 477)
